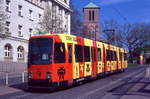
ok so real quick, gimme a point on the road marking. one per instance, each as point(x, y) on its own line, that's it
point(147, 75)
point(136, 87)
point(138, 75)
point(147, 87)
point(134, 97)
point(21, 96)
point(110, 84)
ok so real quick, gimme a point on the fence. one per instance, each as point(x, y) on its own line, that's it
point(11, 71)
point(7, 78)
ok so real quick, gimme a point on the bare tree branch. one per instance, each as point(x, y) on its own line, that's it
point(51, 22)
point(3, 18)
point(131, 36)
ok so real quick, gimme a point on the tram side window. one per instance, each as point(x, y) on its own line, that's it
point(108, 56)
point(115, 56)
point(99, 54)
point(86, 54)
point(125, 56)
point(120, 56)
point(78, 53)
point(70, 53)
point(59, 53)
point(111, 55)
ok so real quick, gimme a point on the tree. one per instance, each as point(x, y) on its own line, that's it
point(111, 32)
point(130, 36)
point(136, 36)
point(51, 22)
point(76, 23)
point(3, 17)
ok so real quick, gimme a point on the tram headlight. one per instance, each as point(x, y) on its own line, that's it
point(29, 74)
point(49, 75)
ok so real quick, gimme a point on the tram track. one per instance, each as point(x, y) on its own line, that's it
point(98, 89)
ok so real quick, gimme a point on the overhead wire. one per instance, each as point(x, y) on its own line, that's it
point(121, 15)
point(117, 11)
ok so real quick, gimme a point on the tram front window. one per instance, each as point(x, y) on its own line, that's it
point(40, 51)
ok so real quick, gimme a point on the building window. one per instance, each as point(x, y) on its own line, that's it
point(8, 5)
point(66, 18)
point(7, 27)
point(53, 10)
point(93, 16)
point(30, 31)
point(19, 30)
point(65, 1)
point(31, 14)
point(8, 51)
point(20, 51)
point(20, 10)
point(90, 15)
point(54, 16)
point(60, 12)
point(40, 16)
point(53, 7)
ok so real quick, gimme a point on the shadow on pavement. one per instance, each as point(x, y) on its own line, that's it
point(20, 86)
point(138, 86)
point(24, 87)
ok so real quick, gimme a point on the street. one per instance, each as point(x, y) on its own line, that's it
point(134, 83)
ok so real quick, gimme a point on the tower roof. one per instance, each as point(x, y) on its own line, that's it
point(91, 5)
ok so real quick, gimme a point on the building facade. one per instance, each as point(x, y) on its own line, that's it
point(91, 21)
point(23, 18)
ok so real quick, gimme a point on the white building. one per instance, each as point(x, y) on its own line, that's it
point(23, 19)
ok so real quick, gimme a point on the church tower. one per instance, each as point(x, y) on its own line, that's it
point(91, 21)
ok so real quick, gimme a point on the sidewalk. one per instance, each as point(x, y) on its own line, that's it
point(141, 90)
point(7, 90)
point(15, 84)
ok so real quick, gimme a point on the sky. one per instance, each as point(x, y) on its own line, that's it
point(123, 11)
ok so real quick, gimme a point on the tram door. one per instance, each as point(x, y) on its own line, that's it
point(70, 63)
point(104, 59)
point(120, 60)
point(94, 61)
